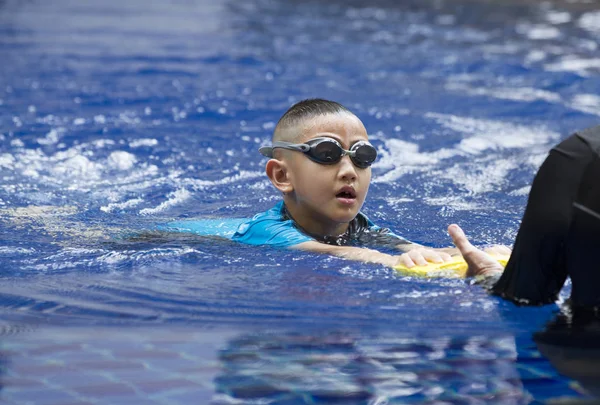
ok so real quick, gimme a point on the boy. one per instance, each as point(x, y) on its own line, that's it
point(321, 162)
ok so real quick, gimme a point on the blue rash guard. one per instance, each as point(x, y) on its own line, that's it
point(276, 228)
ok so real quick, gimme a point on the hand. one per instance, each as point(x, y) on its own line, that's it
point(498, 250)
point(420, 257)
point(480, 263)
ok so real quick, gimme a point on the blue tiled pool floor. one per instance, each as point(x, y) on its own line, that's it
point(68, 366)
point(92, 366)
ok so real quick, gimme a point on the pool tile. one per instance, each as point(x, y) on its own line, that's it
point(199, 396)
point(146, 354)
point(79, 356)
point(53, 349)
point(109, 365)
point(105, 390)
point(169, 364)
point(160, 386)
point(134, 376)
point(77, 378)
point(46, 396)
point(20, 383)
point(36, 369)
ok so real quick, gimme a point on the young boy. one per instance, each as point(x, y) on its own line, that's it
point(321, 163)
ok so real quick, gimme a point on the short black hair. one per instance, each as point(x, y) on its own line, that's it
point(310, 108)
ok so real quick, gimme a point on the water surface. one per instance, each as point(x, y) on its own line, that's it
point(117, 116)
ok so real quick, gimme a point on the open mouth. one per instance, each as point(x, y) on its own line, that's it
point(347, 193)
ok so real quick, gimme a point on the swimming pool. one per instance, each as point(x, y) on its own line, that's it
point(118, 116)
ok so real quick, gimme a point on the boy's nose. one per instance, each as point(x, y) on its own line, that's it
point(347, 168)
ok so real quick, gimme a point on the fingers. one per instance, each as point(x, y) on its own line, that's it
point(500, 250)
point(460, 240)
point(416, 257)
point(405, 260)
point(433, 256)
point(479, 262)
point(420, 257)
point(445, 256)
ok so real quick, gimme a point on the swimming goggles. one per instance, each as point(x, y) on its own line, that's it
point(327, 151)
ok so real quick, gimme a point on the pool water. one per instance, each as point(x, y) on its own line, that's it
point(117, 116)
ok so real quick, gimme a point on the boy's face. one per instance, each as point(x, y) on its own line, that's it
point(327, 197)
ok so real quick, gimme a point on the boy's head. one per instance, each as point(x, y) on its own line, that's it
point(323, 187)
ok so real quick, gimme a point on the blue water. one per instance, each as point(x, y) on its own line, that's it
point(116, 116)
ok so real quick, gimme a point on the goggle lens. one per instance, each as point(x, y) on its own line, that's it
point(328, 151)
point(365, 155)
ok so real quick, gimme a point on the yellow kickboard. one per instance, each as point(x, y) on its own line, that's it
point(456, 266)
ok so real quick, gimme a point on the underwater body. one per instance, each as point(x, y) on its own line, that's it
point(117, 117)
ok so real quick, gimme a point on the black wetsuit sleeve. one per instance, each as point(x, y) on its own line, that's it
point(559, 234)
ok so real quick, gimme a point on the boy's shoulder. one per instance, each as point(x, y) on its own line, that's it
point(272, 228)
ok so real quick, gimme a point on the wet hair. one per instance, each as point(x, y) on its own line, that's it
point(307, 109)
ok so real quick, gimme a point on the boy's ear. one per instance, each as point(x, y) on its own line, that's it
point(277, 171)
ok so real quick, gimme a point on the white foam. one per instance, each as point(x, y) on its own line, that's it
point(113, 258)
point(164, 253)
point(7, 160)
point(174, 198)
point(588, 103)
point(198, 184)
point(574, 64)
point(535, 55)
point(77, 166)
point(51, 137)
point(535, 160)
point(521, 191)
point(404, 157)
point(29, 172)
point(538, 31)
point(121, 206)
point(143, 142)
point(525, 94)
point(33, 212)
point(121, 160)
point(17, 143)
point(590, 21)
point(397, 201)
point(558, 17)
point(488, 134)
point(487, 176)
point(99, 143)
point(7, 250)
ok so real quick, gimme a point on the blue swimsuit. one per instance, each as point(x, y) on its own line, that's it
point(275, 227)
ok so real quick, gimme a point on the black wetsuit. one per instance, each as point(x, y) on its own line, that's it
point(560, 232)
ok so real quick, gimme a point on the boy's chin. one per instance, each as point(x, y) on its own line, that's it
point(345, 217)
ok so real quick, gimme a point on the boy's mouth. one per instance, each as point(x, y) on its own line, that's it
point(347, 193)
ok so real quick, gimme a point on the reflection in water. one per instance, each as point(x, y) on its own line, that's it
point(571, 341)
point(339, 366)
